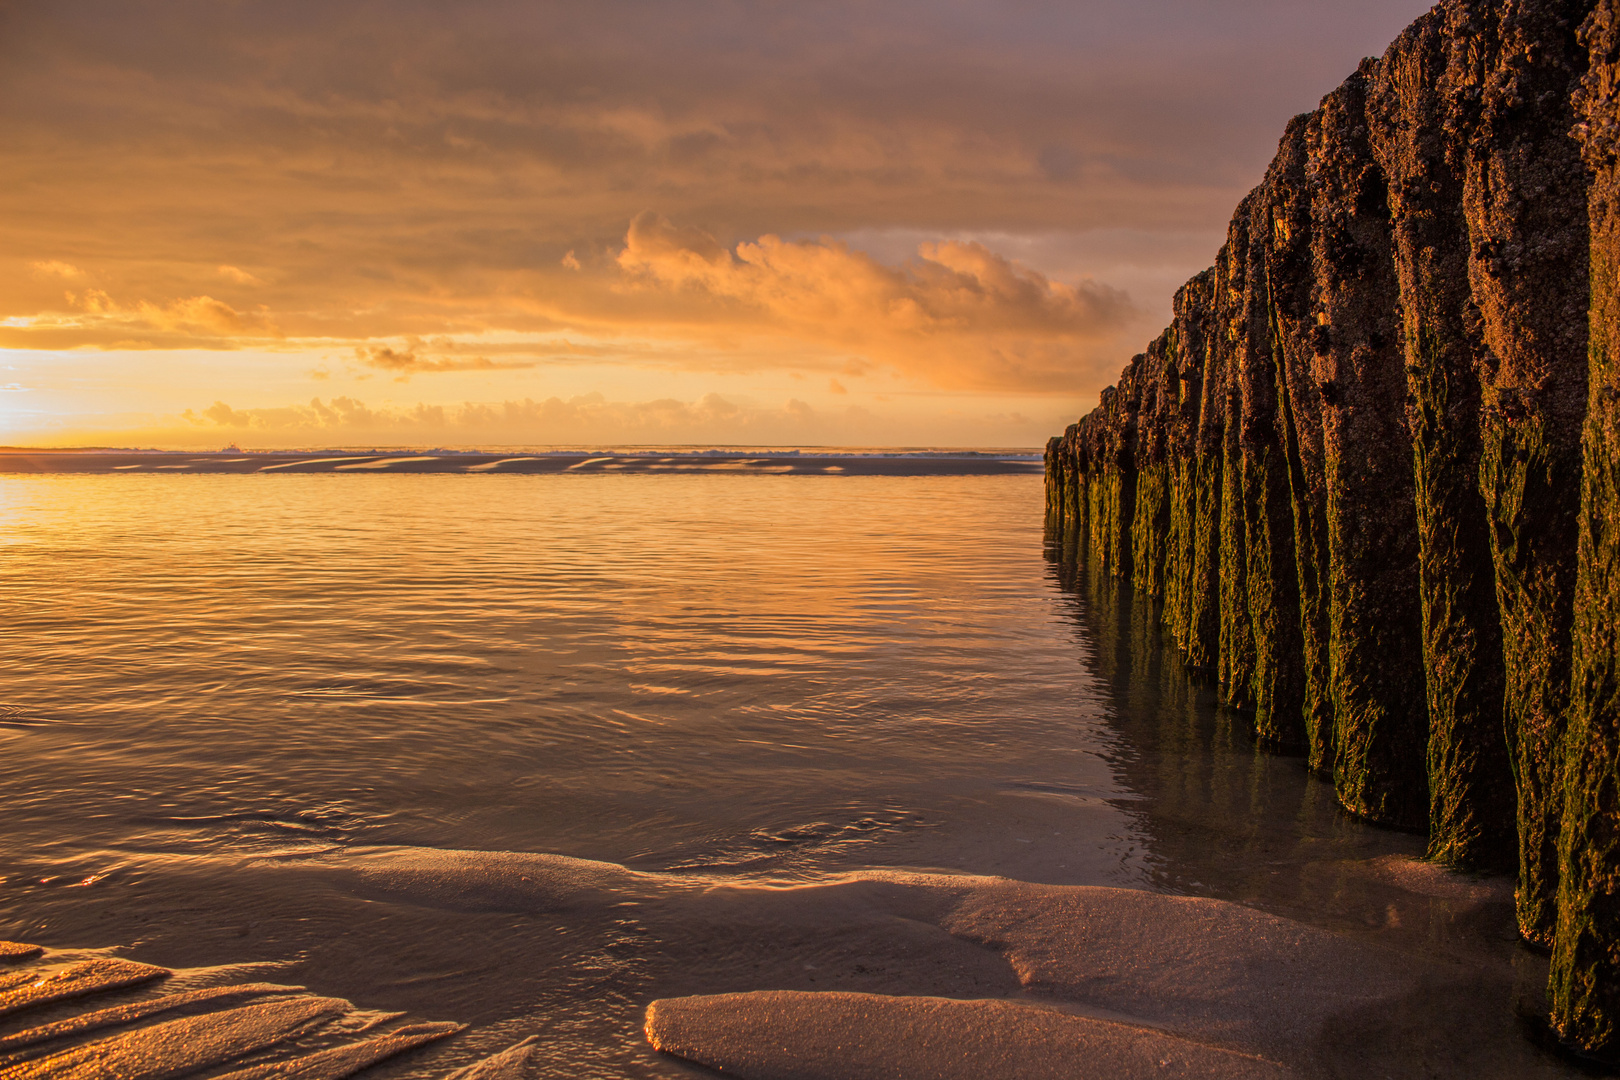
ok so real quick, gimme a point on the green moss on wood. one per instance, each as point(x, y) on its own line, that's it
point(1308, 505)
point(1350, 466)
point(1586, 954)
point(1150, 530)
point(1470, 781)
point(1528, 276)
point(1200, 629)
point(1375, 657)
point(1585, 978)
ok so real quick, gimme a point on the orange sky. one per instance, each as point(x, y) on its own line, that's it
point(491, 223)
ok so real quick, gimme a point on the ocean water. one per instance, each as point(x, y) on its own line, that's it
point(255, 719)
point(755, 673)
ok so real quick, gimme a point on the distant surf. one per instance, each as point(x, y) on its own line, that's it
point(759, 461)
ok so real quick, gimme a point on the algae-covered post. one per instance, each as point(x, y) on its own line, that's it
point(1470, 783)
point(1183, 578)
point(1200, 640)
point(1586, 969)
point(1385, 517)
point(1291, 307)
point(1380, 718)
point(1526, 204)
point(1276, 686)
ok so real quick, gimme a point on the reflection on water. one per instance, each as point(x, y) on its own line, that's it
point(752, 672)
point(757, 679)
point(1225, 818)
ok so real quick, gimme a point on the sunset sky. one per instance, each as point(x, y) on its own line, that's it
point(622, 221)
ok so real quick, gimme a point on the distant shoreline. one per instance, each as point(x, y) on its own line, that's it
point(755, 462)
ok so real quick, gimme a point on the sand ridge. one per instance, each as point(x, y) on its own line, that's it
point(786, 1035)
point(1125, 970)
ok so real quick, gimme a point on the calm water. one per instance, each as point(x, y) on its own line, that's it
point(666, 671)
point(213, 681)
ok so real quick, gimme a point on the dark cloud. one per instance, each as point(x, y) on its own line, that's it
point(740, 118)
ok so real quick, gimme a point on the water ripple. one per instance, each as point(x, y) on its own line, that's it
point(679, 669)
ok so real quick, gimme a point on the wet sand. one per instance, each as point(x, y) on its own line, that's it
point(880, 974)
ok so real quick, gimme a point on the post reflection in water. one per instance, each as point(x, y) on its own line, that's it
point(1228, 819)
point(1225, 818)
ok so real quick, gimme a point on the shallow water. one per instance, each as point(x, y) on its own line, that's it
point(219, 685)
point(667, 671)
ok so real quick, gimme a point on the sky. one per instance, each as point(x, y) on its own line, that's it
point(630, 222)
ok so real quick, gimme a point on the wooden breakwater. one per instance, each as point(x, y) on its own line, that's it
point(1372, 468)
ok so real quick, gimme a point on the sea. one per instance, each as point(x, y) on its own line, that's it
point(230, 698)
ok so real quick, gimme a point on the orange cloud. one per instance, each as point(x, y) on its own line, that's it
point(203, 315)
point(98, 318)
point(406, 362)
point(56, 268)
point(583, 419)
point(238, 275)
point(553, 420)
point(956, 315)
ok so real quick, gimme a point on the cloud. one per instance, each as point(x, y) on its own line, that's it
point(57, 269)
point(322, 178)
point(196, 315)
point(223, 415)
point(241, 277)
point(554, 420)
point(406, 362)
point(340, 414)
point(93, 317)
point(955, 315)
point(588, 419)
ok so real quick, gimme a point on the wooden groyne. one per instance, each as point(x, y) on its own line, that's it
point(1372, 468)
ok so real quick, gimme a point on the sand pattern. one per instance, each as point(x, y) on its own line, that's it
point(1094, 982)
point(264, 1028)
point(789, 1035)
point(1117, 984)
point(965, 976)
point(19, 990)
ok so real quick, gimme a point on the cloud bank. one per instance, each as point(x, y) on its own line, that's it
point(711, 419)
point(300, 176)
point(956, 315)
